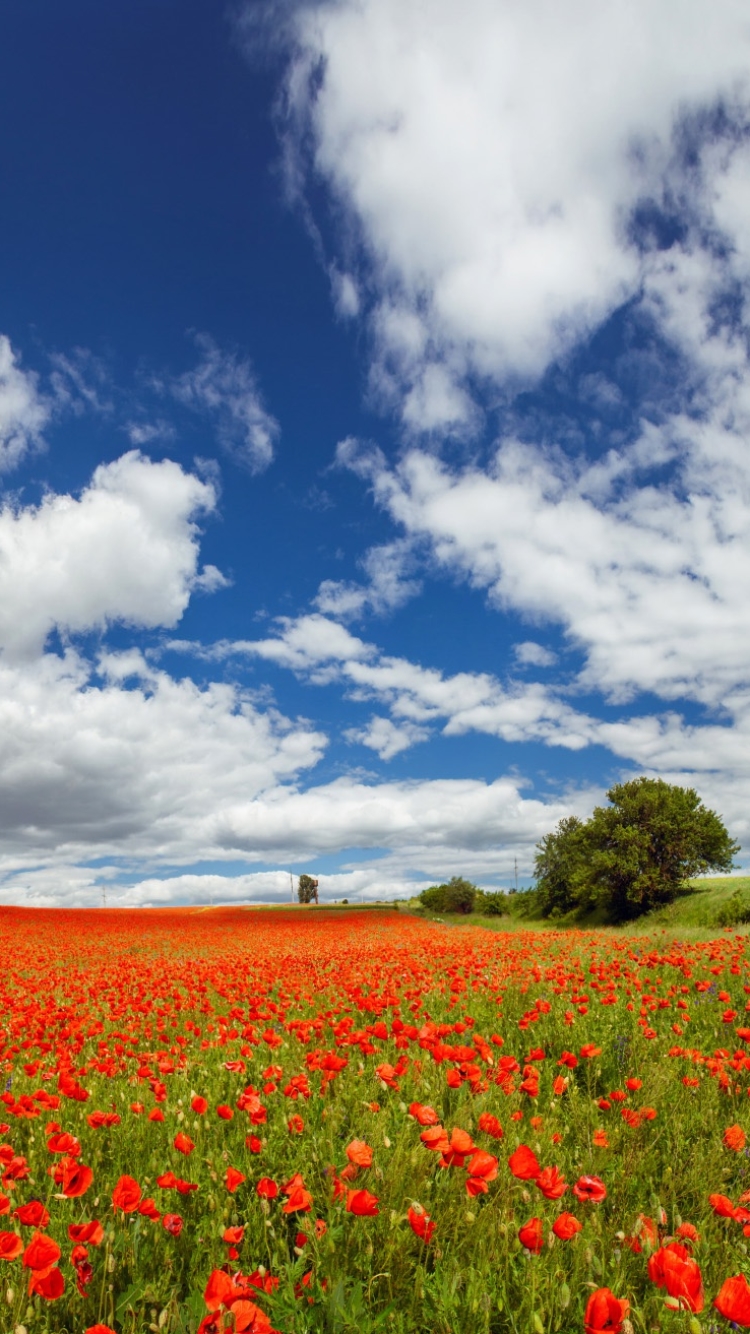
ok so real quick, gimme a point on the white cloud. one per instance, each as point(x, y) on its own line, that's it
point(145, 433)
point(322, 651)
point(24, 413)
point(390, 584)
point(224, 385)
point(530, 654)
point(124, 760)
point(387, 738)
point(487, 160)
point(126, 550)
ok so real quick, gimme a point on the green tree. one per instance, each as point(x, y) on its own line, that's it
point(307, 889)
point(635, 854)
point(456, 895)
point(561, 870)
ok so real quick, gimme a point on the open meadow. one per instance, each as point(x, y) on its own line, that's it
point(313, 1120)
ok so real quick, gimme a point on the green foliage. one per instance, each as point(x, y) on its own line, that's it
point(307, 889)
point(456, 896)
point(491, 903)
point(734, 911)
point(636, 854)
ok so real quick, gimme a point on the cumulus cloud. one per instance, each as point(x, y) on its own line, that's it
point(125, 550)
point(485, 164)
point(531, 654)
point(122, 759)
point(390, 584)
point(24, 412)
point(387, 738)
point(224, 386)
point(322, 651)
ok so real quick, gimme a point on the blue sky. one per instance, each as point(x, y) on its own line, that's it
point(374, 408)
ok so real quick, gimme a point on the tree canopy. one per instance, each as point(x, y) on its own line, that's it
point(456, 895)
point(632, 855)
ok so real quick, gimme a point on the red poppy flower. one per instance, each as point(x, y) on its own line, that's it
point(359, 1153)
point(435, 1139)
point(565, 1226)
point(64, 1143)
point(148, 1209)
point(199, 1105)
point(299, 1201)
point(126, 1195)
point(99, 1329)
point(604, 1311)
point(33, 1214)
point(421, 1224)
point(183, 1143)
point(11, 1245)
point(722, 1206)
point(73, 1178)
point(233, 1235)
point(531, 1235)
point(733, 1300)
point(172, 1223)
point(362, 1203)
point(590, 1188)
point(524, 1164)
point(551, 1183)
point(425, 1116)
point(48, 1283)
point(673, 1268)
point(92, 1234)
point(267, 1189)
point(734, 1138)
point(490, 1125)
point(232, 1179)
point(41, 1252)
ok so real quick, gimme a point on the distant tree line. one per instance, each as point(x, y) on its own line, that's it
point(633, 855)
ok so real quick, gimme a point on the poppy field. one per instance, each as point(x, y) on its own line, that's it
point(247, 1120)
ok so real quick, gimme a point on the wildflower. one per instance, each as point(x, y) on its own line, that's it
point(11, 1245)
point(673, 1268)
point(172, 1223)
point(420, 1223)
point(733, 1300)
point(600, 1140)
point(362, 1203)
point(359, 1153)
point(524, 1164)
point(722, 1206)
point(199, 1105)
point(490, 1125)
point(425, 1116)
point(551, 1183)
point(267, 1189)
point(590, 1188)
point(565, 1226)
point(531, 1235)
point(92, 1234)
point(183, 1143)
point(41, 1252)
point(33, 1214)
point(48, 1283)
point(734, 1138)
point(232, 1179)
point(604, 1311)
point(126, 1195)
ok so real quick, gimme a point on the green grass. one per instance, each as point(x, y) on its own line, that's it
point(698, 908)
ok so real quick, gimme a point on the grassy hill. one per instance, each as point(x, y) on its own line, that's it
point(709, 904)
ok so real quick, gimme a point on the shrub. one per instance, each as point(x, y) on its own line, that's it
point(456, 896)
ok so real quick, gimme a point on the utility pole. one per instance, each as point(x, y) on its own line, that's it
point(515, 871)
point(104, 896)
